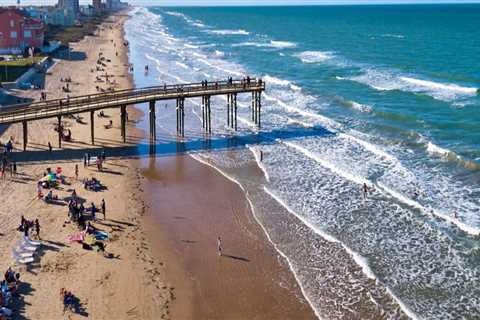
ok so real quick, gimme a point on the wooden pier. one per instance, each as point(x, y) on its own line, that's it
point(23, 113)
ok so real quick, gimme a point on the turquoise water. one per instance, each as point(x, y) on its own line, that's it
point(396, 90)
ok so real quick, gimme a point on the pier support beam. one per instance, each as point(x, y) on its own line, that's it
point(203, 112)
point(25, 135)
point(228, 109)
point(234, 96)
point(259, 106)
point(253, 106)
point(123, 123)
point(181, 117)
point(60, 131)
point(92, 126)
point(153, 126)
point(208, 115)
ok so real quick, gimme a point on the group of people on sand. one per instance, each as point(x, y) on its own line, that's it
point(8, 289)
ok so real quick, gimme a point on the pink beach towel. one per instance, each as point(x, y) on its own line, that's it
point(79, 237)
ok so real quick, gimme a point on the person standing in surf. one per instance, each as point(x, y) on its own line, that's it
point(219, 246)
point(365, 190)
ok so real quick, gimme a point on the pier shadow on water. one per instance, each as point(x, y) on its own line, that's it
point(169, 148)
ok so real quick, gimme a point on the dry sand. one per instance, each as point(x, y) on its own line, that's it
point(163, 260)
point(129, 285)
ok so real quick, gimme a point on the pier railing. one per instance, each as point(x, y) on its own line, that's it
point(79, 104)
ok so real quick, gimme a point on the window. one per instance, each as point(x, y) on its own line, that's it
point(13, 34)
point(12, 23)
point(27, 34)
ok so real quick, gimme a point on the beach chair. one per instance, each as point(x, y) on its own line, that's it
point(22, 254)
point(26, 247)
point(19, 260)
point(31, 242)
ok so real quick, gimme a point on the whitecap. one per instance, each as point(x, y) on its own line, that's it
point(230, 32)
point(314, 56)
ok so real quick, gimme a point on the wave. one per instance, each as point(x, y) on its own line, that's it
point(361, 261)
point(281, 82)
point(271, 44)
point(354, 105)
point(387, 80)
point(301, 123)
point(230, 32)
point(400, 197)
point(324, 120)
point(450, 155)
point(314, 56)
point(219, 53)
point(182, 65)
point(391, 35)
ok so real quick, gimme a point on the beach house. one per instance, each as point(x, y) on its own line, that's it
point(18, 31)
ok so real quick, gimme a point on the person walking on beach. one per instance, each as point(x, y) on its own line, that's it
point(85, 160)
point(219, 246)
point(365, 190)
point(49, 147)
point(76, 172)
point(37, 228)
point(104, 210)
point(94, 211)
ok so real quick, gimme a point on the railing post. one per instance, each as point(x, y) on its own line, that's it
point(92, 126)
point(25, 135)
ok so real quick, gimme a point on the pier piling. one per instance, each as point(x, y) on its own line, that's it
point(60, 131)
point(25, 135)
point(92, 126)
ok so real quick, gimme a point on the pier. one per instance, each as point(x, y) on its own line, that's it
point(58, 108)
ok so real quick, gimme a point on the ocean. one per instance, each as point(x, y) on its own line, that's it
point(382, 95)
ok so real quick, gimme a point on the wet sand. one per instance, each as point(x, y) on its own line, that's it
point(189, 205)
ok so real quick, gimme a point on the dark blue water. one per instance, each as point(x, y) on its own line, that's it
point(396, 88)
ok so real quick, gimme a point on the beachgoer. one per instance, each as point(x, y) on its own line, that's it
point(365, 190)
point(104, 210)
point(37, 228)
point(85, 160)
point(94, 211)
point(50, 145)
point(219, 246)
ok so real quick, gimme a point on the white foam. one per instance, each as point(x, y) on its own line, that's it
point(303, 124)
point(391, 35)
point(231, 32)
point(441, 86)
point(436, 150)
point(182, 65)
point(219, 53)
point(326, 164)
point(271, 44)
point(370, 147)
point(314, 56)
point(324, 120)
point(276, 81)
point(389, 80)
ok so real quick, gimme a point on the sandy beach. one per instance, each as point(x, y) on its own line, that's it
point(161, 260)
point(128, 282)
